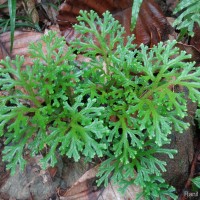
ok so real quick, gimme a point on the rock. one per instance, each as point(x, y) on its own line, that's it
point(178, 169)
point(72, 171)
point(33, 183)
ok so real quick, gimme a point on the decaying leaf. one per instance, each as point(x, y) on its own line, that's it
point(20, 46)
point(171, 4)
point(52, 171)
point(152, 26)
point(3, 1)
point(85, 189)
point(3, 51)
point(3, 173)
point(49, 11)
point(190, 49)
point(30, 8)
point(195, 41)
point(4, 7)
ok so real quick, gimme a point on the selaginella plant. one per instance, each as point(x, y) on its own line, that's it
point(189, 15)
point(120, 104)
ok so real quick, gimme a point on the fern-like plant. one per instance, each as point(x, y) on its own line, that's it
point(65, 106)
point(190, 14)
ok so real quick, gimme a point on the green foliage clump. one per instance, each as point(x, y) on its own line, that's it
point(190, 14)
point(41, 108)
point(121, 104)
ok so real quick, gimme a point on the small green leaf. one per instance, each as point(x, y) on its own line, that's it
point(190, 14)
point(135, 11)
point(12, 12)
point(196, 181)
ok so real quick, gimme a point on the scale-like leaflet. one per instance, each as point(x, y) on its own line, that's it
point(190, 14)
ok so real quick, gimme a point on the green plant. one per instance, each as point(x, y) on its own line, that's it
point(190, 14)
point(135, 11)
point(121, 104)
point(196, 181)
point(24, 21)
point(12, 13)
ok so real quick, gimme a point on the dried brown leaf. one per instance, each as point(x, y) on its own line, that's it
point(2, 1)
point(152, 26)
point(50, 12)
point(171, 4)
point(195, 41)
point(85, 189)
point(20, 46)
point(190, 49)
point(52, 171)
point(30, 9)
point(3, 51)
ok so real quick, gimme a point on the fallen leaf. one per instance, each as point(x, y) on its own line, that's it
point(171, 4)
point(20, 46)
point(30, 9)
point(85, 189)
point(151, 27)
point(3, 1)
point(3, 51)
point(195, 41)
point(50, 11)
point(190, 49)
point(52, 171)
point(3, 173)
